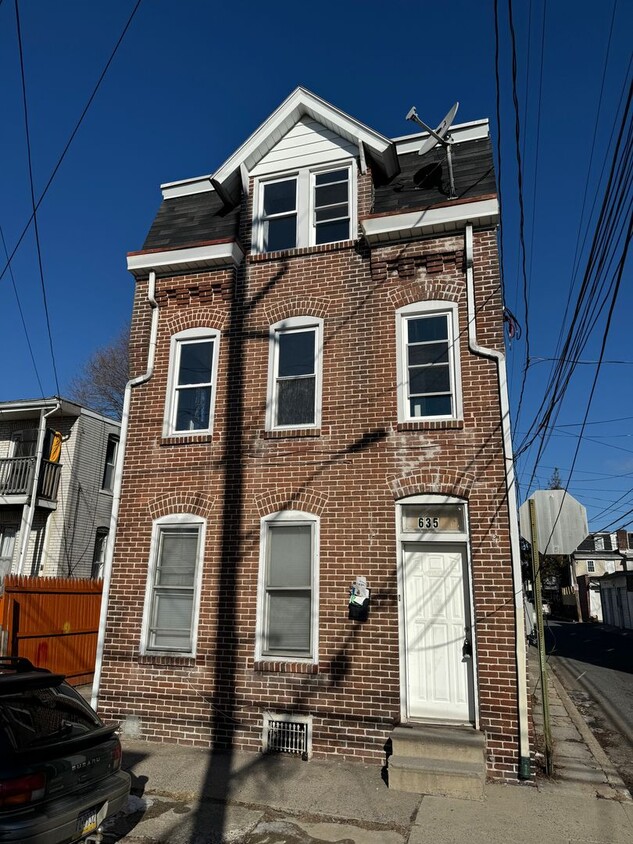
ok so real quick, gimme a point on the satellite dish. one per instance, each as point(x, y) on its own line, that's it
point(438, 136)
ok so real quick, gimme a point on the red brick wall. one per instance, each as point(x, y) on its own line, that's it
point(349, 473)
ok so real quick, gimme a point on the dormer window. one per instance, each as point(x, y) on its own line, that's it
point(307, 208)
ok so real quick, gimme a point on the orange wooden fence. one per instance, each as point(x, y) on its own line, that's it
point(53, 621)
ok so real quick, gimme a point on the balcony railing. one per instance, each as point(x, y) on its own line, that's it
point(16, 477)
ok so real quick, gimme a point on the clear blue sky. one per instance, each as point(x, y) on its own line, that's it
point(193, 79)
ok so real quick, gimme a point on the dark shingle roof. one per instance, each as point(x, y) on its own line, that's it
point(185, 220)
point(424, 180)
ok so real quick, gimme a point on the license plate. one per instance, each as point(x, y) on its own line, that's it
point(87, 822)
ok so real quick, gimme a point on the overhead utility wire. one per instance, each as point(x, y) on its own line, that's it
point(32, 190)
point(592, 289)
point(519, 163)
point(70, 139)
point(21, 312)
point(499, 158)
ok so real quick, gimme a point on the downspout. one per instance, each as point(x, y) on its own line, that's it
point(521, 648)
point(116, 491)
point(28, 512)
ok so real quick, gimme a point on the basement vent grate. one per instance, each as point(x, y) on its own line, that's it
point(284, 733)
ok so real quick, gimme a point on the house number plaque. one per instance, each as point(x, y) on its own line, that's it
point(433, 518)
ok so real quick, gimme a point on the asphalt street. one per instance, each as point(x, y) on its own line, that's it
point(595, 664)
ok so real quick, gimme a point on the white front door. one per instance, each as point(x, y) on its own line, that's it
point(439, 680)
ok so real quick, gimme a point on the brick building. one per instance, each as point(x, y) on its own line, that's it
point(319, 400)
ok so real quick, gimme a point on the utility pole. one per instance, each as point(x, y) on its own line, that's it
point(540, 631)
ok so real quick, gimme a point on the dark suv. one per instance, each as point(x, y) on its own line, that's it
point(60, 764)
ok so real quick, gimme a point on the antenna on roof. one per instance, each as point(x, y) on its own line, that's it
point(438, 136)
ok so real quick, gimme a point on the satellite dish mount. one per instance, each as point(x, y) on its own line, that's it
point(439, 136)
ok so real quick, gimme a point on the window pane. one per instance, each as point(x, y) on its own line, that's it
point(280, 197)
point(331, 232)
point(280, 233)
point(295, 401)
point(289, 622)
point(428, 328)
point(430, 379)
point(171, 622)
point(177, 562)
point(296, 353)
point(431, 406)
point(196, 360)
point(428, 353)
point(331, 194)
point(289, 555)
point(333, 212)
point(333, 176)
point(193, 409)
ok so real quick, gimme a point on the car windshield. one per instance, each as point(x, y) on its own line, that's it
point(37, 717)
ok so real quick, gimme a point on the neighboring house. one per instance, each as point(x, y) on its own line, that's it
point(597, 555)
point(320, 401)
point(616, 592)
point(56, 472)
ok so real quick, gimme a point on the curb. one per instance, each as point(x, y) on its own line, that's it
point(613, 778)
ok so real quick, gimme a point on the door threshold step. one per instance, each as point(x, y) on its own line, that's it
point(439, 777)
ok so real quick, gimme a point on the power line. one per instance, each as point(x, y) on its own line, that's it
point(32, 191)
point(71, 138)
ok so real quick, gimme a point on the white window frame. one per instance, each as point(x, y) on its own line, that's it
point(171, 404)
point(289, 325)
point(175, 520)
point(423, 309)
point(8, 535)
point(108, 487)
point(305, 207)
point(287, 517)
point(593, 566)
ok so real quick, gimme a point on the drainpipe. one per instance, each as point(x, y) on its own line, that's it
point(28, 512)
point(521, 650)
point(116, 491)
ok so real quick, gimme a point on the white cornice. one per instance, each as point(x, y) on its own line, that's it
point(191, 259)
point(448, 218)
point(475, 130)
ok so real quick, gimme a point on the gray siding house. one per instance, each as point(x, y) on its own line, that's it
point(56, 475)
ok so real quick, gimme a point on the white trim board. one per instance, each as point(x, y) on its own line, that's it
point(191, 258)
point(448, 218)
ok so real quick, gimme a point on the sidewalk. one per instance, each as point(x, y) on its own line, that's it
point(191, 796)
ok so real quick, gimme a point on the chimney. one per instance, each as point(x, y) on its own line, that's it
point(623, 540)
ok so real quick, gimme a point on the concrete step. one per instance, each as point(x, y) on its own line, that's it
point(459, 744)
point(445, 778)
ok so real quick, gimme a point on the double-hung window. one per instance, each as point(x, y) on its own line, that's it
point(287, 600)
point(307, 208)
point(428, 362)
point(173, 588)
point(112, 447)
point(7, 544)
point(294, 378)
point(192, 379)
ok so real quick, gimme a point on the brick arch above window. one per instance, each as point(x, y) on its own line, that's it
point(306, 500)
point(296, 307)
point(214, 318)
point(455, 484)
point(196, 503)
point(409, 294)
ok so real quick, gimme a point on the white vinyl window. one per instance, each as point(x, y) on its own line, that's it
point(294, 374)
point(307, 208)
point(7, 545)
point(99, 551)
point(192, 379)
point(173, 586)
point(288, 587)
point(428, 362)
point(591, 566)
point(112, 447)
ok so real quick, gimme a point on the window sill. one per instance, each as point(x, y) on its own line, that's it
point(432, 425)
point(272, 667)
point(262, 257)
point(290, 432)
point(189, 439)
point(182, 661)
